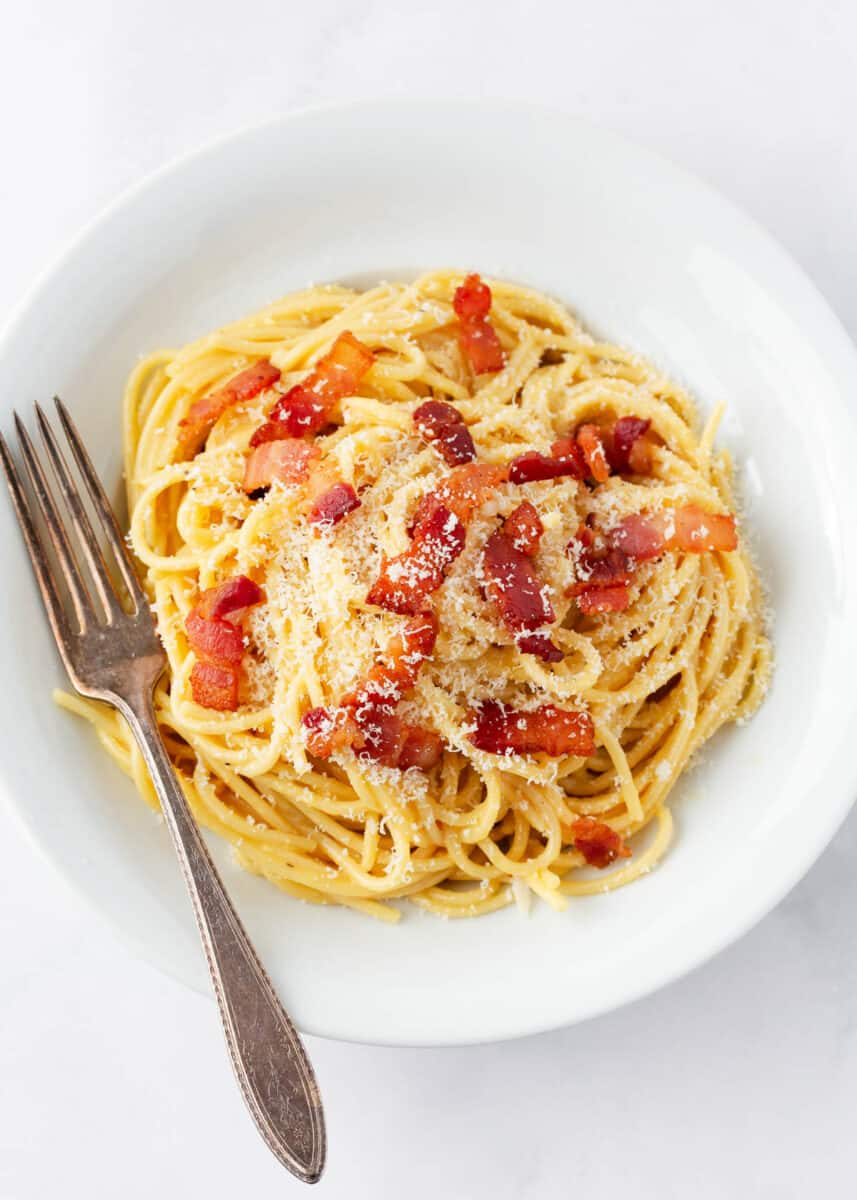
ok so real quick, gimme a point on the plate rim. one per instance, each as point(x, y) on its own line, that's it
point(779, 885)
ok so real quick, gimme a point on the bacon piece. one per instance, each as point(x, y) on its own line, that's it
point(524, 526)
point(603, 571)
point(598, 843)
point(333, 505)
point(646, 535)
point(567, 450)
point(203, 413)
point(444, 425)
point(329, 729)
point(592, 452)
point(547, 730)
point(215, 641)
point(396, 673)
point(640, 457)
point(476, 335)
point(305, 407)
point(287, 461)
point(610, 598)
point(518, 594)
point(640, 537)
point(513, 585)
point(366, 718)
point(214, 685)
point(612, 569)
point(533, 466)
point(271, 431)
point(382, 736)
point(229, 597)
point(627, 432)
point(298, 413)
point(566, 458)
point(590, 442)
point(472, 298)
point(700, 531)
point(599, 568)
point(406, 581)
point(539, 644)
point(218, 643)
point(422, 749)
point(463, 491)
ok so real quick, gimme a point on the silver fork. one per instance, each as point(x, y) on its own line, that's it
point(116, 656)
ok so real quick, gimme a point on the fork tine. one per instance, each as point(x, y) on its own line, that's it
point(56, 529)
point(103, 507)
point(35, 549)
point(80, 520)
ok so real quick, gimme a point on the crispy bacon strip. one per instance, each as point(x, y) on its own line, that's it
point(219, 643)
point(598, 843)
point(590, 442)
point(567, 451)
point(566, 458)
point(515, 589)
point(540, 644)
point(437, 538)
point(203, 413)
point(305, 407)
point(477, 337)
point(597, 562)
point(443, 424)
point(627, 433)
point(608, 598)
point(524, 527)
point(329, 729)
point(271, 431)
point(603, 572)
point(547, 730)
point(214, 686)
point(396, 672)
point(640, 537)
point(229, 597)
point(406, 581)
point(699, 531)
point(606, 568)
point(463, 491)
point(422, 749)
point(646, 535)
point(288, 461)
point(591, 453)
point(294, 462)
point(366, 719)
point(382, 736)
point(333, 505)
point(640, 457)
point(215, 641)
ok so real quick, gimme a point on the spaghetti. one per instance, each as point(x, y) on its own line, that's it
point(450, 592)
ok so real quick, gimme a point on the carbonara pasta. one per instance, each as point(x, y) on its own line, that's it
point(451, 594)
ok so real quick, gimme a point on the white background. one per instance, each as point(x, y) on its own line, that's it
point(739, 1081)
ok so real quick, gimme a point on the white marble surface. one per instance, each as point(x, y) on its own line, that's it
point(738, 1081)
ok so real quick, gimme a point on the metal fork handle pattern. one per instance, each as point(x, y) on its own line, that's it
point(268, 1059)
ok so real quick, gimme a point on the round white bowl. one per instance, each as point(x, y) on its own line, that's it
point(647, 256)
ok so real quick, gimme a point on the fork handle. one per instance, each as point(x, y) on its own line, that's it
point(268, 1057)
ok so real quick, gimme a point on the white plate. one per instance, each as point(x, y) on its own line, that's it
point(646, 255)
